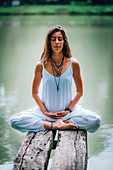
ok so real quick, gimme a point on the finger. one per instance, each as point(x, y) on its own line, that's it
point(61, 113)
point(77, 126)
point(58, 117)
point(58, 113)
point(54, 114)
point(55, 117)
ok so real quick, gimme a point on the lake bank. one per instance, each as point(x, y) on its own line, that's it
point(58, 10)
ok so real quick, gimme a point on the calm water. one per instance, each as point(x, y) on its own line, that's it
point(21, 44)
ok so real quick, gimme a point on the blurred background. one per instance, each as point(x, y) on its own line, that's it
point(21, 2)
point(89, 28)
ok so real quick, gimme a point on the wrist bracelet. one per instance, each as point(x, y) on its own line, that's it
point(68, 109)
point(52, 123)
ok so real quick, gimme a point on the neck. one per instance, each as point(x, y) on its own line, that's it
point(57, 57)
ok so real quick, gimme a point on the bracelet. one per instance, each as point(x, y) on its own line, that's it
point(52, 123)
point(68, 109)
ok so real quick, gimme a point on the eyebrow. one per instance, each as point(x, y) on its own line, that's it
point(56, 37)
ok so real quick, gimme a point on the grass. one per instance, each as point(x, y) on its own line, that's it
point(57, 9)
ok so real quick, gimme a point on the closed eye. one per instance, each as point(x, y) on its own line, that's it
point(60, 39)
point(54, 38)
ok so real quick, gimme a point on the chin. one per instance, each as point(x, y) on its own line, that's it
point(57, 51)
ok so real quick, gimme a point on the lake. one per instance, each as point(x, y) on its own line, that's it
point(22, 40)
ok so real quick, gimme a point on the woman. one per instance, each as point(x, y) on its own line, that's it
point(56, 109)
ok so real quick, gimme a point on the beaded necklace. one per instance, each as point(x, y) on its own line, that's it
point(58, 71)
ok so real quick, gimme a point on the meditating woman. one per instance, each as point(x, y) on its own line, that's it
point(56, 109)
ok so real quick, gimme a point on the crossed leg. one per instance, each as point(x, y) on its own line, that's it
point(27, 121)
point(59, 125)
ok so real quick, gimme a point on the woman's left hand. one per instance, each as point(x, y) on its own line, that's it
point(62, 113)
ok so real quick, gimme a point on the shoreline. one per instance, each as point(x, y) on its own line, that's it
point(57, 10)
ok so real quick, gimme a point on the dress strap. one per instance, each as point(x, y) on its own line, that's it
point(70, 61)
point(70, 65)
point(43, 69)
point(43, 64)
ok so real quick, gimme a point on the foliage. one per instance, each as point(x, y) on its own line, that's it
point(58, 9)
point(66, 2)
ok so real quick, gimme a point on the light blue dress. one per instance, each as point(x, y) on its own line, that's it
point(31, 120)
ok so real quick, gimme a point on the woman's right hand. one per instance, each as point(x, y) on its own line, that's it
point(52, 115)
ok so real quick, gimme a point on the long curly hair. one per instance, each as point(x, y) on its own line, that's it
point(47, 52)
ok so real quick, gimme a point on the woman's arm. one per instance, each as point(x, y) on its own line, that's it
point(35, 90)
point(35, 86)
point(78, 83)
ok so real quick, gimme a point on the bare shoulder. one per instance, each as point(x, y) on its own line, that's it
point(75, 64)
point(39, 67)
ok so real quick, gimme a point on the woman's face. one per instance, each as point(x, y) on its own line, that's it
point(57, 42)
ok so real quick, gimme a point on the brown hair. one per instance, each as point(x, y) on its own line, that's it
point(47, 48)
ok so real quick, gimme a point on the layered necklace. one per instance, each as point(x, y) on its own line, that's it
point(57, 70)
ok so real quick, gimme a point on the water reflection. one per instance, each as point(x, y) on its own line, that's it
point(103, 160)
point(7, 101)
point(8, 146)
point(7, 105)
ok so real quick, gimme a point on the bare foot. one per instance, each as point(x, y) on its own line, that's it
point(60, 125)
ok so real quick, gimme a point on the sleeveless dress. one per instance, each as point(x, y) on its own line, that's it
point(32, 119)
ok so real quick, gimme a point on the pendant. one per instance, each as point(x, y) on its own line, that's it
point(57, 89)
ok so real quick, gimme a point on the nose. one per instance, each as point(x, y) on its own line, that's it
point(57, 41)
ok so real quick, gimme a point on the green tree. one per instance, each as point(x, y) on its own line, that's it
point(101, 2)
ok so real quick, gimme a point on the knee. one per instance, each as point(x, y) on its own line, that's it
point(98, 121)
point(96, 124)
point(13, 123)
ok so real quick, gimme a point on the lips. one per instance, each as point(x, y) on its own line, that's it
point(56, 46)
